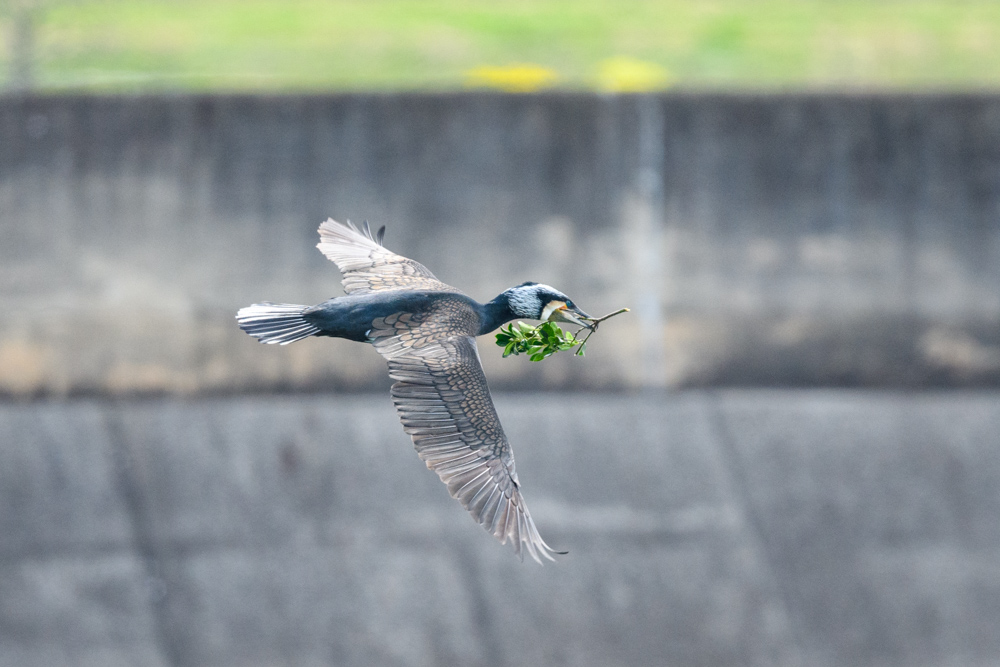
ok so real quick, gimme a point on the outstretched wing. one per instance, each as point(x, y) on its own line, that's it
point(367, 266)
point(445, 406)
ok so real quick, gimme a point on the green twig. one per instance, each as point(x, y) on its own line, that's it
point(547, 338)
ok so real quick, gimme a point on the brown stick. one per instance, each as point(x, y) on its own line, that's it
point(594, 322)
point(598, 320)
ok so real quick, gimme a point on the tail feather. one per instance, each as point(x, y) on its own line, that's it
point(280, 323)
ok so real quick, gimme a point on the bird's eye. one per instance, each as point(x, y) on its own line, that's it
point(570, 304)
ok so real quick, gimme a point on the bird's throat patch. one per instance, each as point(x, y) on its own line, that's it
point(551, 307)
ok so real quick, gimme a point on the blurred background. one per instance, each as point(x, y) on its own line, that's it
point(786, 454)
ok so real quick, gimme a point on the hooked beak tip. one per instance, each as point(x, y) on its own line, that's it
point(574, 316)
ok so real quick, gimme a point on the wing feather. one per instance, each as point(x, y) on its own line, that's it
point(367, 266)
point(445, 405)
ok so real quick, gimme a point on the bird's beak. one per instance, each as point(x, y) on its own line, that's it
point(571, 315)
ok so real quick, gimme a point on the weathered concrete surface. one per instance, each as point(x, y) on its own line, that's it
point(819, 528)
point(791, 240)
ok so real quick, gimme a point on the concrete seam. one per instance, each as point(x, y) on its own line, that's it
point(143, 544)
point(648, 231)
point(735, 479)
point(481, 613)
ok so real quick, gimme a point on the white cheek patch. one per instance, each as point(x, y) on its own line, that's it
point(550, 308)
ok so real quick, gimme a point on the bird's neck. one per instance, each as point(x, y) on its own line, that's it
point(494, 314)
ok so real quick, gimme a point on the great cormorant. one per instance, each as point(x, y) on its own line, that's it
point(427, 332)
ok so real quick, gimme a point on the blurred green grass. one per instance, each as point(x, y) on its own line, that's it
point(288, 45)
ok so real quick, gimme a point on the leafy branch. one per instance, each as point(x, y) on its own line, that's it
point(547, 338)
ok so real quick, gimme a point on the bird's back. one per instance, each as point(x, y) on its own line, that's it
point(353, 316)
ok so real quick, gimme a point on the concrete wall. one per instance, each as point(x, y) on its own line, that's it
point(770, 528)
point(796, 240)
point(779, 240)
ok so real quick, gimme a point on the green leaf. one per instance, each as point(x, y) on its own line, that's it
point(537, 343)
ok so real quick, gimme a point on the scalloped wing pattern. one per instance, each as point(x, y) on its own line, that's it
point(368, 267)
point(445, 405)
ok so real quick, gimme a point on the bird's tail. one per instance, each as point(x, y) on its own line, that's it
point(280, 323)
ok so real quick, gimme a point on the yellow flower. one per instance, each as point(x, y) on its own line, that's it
point(521, 78)
point(628, 75)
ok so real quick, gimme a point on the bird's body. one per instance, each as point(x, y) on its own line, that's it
point(426, 331)
point(351, 316)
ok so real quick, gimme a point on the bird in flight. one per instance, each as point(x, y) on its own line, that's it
point(426, 331)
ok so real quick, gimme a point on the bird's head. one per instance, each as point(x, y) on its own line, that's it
point(541, 302)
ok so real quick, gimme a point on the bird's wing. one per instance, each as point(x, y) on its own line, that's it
point(367, 266)
point(445, 405)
